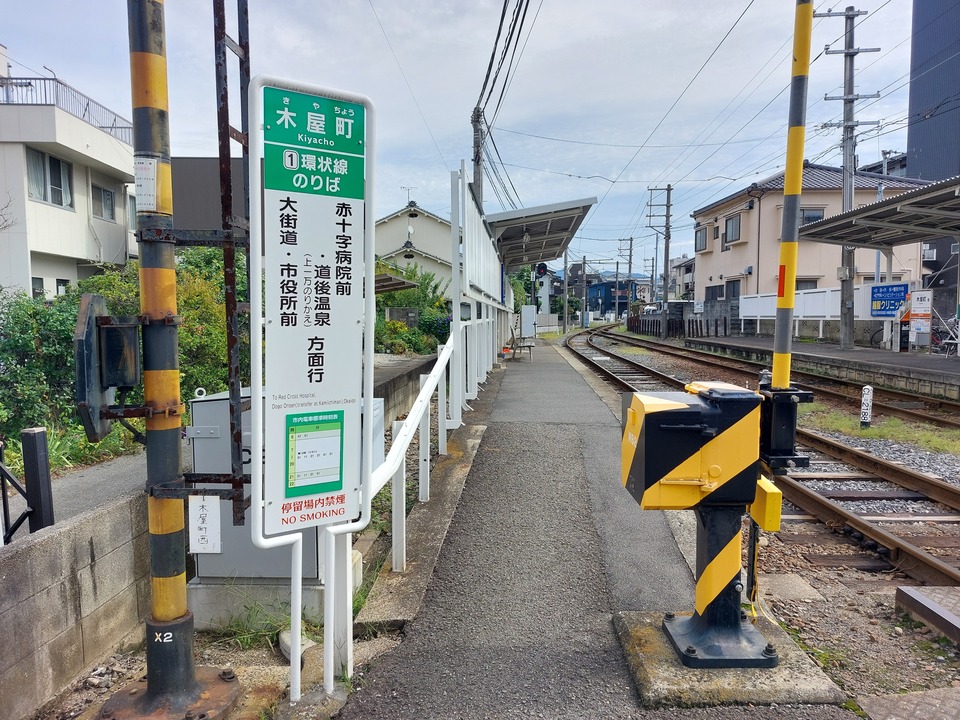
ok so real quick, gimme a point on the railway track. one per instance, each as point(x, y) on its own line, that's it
point(833, 507)
point(935, 411)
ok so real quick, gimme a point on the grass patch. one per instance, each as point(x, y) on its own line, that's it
point(258, 625)
point(826, 658)
point(816, 416)
point(381, 507)
point(370, 574)
point(851, 705)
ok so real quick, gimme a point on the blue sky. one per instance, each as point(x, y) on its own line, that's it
point(602, 91)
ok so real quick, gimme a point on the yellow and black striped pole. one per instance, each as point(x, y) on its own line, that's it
point(792, 185)
point(778, 424)
point(175, 688)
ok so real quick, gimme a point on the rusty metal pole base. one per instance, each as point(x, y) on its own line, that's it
point(218, 693)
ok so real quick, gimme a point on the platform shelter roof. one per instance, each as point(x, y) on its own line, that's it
point(928, 212)
point(537, 234)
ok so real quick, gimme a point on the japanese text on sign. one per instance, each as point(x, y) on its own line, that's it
point(204, 516)
point(886, 300)
point(314, 185)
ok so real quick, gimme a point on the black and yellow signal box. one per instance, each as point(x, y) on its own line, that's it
point(686, 449)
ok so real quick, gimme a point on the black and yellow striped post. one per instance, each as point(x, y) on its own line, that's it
point(175, 687)
point(699, 450)
point(779, 422)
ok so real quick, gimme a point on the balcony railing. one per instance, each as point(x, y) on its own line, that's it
point(50, 91)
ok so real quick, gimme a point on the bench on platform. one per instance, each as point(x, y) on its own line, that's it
point(519, 344)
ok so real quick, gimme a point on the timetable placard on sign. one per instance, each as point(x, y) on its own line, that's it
point(314, 179)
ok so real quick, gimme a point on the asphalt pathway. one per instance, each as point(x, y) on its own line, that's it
point(543, 548)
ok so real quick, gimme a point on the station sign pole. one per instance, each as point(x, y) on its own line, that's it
point(311, 246)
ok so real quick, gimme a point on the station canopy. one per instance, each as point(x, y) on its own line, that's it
point(538, 234)
point(928, 212)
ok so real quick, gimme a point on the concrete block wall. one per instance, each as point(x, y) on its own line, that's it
point(70, 595)
point(400, 385)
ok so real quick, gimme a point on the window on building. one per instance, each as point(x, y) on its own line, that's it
point(733, 289)
point(806, 284)
point(700, 239)
point(49, 178)
point(929, 251)
point(809, 215)
point(731, 229)
point(103, 203)
point(37, 287)
point(713, 292)
point(716, 232)
point(62, 286)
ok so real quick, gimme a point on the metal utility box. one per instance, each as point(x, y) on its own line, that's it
point(686, 449)
point(209, 436)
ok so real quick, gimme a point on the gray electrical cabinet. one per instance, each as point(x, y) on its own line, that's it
point(209, 436)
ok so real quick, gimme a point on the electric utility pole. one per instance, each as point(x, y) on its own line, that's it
point(666, 251)
point(847, 271)
point(175, 688)
point(583, 305)
point(476, 121)
point(629, 242)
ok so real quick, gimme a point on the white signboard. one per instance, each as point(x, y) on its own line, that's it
point(204, 531)
point(145, 183)
point(314, 170)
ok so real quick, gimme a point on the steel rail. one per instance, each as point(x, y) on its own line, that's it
point(884, 407)
point(914, 561)
point(934, 488)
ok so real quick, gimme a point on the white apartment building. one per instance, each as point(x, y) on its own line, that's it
point(66, 174)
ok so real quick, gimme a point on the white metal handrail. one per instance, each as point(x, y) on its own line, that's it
point(337, 629)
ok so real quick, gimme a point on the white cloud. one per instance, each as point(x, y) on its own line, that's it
point(604, 71)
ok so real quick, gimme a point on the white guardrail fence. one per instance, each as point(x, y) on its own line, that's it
point(338, 590)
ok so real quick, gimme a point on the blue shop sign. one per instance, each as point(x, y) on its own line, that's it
point(886, 300)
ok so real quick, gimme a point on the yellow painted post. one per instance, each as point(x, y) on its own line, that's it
point(792, 185)
point(175, 687)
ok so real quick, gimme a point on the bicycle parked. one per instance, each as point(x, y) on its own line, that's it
point(944, 339)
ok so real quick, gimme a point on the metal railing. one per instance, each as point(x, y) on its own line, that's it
point(50, 91)
point(338, 636)
point(35, 489)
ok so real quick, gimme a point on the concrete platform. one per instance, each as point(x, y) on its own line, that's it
point(663, 681)
point(941, 704)
point(920, 372)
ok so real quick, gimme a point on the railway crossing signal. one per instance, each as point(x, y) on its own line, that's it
point(699, 450)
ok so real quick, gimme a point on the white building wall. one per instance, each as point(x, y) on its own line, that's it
point(50, 241)
point(14, 253)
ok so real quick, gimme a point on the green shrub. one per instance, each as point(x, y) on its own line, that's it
point(434, 325)
point(36, 361)
point(436, 322)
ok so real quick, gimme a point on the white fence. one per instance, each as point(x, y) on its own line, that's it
point(338, 591)
point(809, 305)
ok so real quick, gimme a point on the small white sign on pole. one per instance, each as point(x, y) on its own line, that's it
point(204, 531)
point(314, 182)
